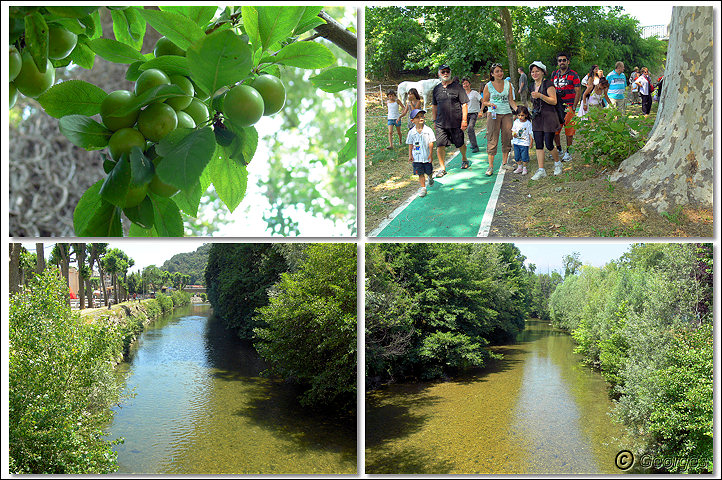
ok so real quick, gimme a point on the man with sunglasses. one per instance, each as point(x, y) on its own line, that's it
point(569, 90)
point(449, 111)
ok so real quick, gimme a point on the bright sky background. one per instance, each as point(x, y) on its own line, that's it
point(657, 13)
point(548, 256)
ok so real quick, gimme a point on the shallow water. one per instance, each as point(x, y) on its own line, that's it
point(200, 406)
point(539, 410)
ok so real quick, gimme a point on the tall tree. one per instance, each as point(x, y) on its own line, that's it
point(505, 22)
point(97, 252)
point(14, 272)
point(79, 250)
point(61, 256)
point(40, 255)
point(675, 167)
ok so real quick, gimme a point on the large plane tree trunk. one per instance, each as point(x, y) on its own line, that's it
point(674, 168)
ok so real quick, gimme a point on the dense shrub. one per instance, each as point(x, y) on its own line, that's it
point(153, 308)
point(646, 322)
point(180, 298)
point(310, 332)
point(61, 383)
point(431, 310)
point(165, 302)
point(610, 136)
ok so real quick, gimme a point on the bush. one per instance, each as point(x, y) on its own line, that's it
point(165, 303)
point(153, 308)
point(61, 383)
point(204, 297)
point(180, 298)
point(610, 137)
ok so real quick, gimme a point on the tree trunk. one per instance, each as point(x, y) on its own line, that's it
point(506, 26)
point(80, 258)
point(335, 32)
point(674, 168)
point(95, 255)
point(40, 256)
point(14, 273)
point(115, 287)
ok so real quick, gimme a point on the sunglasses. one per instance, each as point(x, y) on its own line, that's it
point(562, 60)
point(445, 71)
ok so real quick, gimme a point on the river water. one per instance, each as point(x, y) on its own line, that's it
point(539, 410)
point(199, 405)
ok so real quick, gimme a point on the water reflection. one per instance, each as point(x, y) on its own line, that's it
point(536, 411)
point(202, 407)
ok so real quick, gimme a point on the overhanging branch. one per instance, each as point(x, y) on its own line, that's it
point(335, 33)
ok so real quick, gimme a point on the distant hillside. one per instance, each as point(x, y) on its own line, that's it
point(191, 263)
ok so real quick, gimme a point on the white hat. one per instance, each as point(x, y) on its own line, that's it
point(538, 64)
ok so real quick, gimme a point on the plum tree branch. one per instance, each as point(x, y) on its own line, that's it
point(335, 32)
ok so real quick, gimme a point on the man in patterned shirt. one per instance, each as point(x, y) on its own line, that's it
point(569, 90)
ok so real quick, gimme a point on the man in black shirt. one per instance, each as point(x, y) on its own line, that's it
point(449, 109)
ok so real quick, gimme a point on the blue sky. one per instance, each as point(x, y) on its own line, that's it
point(548, 255)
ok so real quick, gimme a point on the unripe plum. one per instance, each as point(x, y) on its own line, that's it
point(198, 112)
point(157, 121)
point(165, 47)
point(149, 79)
point(123, 141)
point(273, 92)
point(179, 103)
point(30, 82)
point(111, 103)
point(60, 42)
point(243, 105)
point(16, 63)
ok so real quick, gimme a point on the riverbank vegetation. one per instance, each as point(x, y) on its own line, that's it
point(297, 304)
point(645, 321)
point(61, 375)
point(432, 309)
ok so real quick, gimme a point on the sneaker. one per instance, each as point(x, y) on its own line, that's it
point(474, 149)
point(557, 168)
point(489, 171)
point(518, 169)
point(541, 173)
point(566, 157)
point(422, 192)
point(523, 170)
point(440, 173)
point(431, 179)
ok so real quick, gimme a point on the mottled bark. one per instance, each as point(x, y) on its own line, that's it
point(14, 271)
point(40, 258)
point(506, 26)
point(674, 168)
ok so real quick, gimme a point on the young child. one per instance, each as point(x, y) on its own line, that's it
point(394, 116)
point(421, 140)
point(521, 138)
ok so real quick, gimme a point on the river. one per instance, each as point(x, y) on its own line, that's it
point(539, 410)
point(197, 404)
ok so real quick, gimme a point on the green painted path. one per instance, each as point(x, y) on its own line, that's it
point(455, 206)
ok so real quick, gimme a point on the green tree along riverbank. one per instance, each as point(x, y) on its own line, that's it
point(297, 304)
point(645, 321)
point(61, 376)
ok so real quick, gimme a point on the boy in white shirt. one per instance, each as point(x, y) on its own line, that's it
point(421, 140)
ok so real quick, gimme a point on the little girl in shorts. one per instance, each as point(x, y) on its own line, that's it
point(521, 138)
point(394, 116)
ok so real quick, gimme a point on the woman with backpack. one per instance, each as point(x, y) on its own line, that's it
point(545, 119)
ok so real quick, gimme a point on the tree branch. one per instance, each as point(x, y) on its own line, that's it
point(335, 32)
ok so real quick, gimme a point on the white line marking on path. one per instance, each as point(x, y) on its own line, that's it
point(491, 205)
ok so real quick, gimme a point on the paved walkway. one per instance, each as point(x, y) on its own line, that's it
point(459, 204)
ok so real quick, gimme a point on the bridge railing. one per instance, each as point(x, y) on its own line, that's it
point(659, 31)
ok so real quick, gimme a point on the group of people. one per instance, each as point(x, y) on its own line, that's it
point(556, 98)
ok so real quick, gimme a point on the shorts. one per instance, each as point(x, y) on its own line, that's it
point(521, 153)
point(421, 168)
point(395, 123)
point(448, 136)
point(569, 122)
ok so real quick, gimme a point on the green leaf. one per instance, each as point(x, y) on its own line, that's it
point(141, 169)
point(114, 51)
point(116, 184)
point(155, 94)
point(189, 199)
point(250, 25)
point(141, 215)
point(168, 64)
point(335, 79)
point(229, 177)
point(221, 58)
point(617, 127)
point(185, 154)
point(277, 23)
point(179, 29)
point(167, 219)
point(94, 217)
point(72, 97)
point(200, 14)
point(133, 71)
point(348, 152)
point(36, 39)
point(138, 231)
point(309, 20)
point(305, 55)
point(70, 24)
point(84, 132)
point(129, 27)
point(91, 29)
point(82, 55)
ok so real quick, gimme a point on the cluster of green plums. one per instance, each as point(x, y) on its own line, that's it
point(242, 105)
